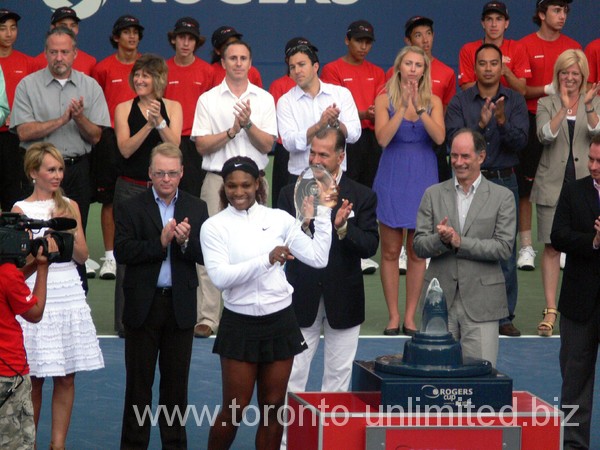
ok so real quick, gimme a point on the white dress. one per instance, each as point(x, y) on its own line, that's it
point(64, 341)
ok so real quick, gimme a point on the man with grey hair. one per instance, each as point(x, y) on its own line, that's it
point(467, 225)
point(157, 236)
point(65, 107)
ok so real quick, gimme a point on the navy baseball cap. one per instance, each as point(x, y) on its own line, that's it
point(126, 21)
point(222, 34)
point(6, 14)
point(415, 21)
point(64, 13)
point(187, 25)
point(498, 7)
point(360, 29)
point(539, 3)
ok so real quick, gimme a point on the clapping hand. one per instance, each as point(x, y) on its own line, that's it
point(591, 94)
point(153, 113)
point(330, 116)
point(180, 231)
point(413, 92)
point(486, 112)
point(448, 235)
point(341, 217)
point(242, 112)
point(76, 108)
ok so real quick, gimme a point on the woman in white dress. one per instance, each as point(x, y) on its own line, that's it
point(64, 341)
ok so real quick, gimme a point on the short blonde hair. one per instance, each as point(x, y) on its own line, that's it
point(567, 59)
point(168, 150)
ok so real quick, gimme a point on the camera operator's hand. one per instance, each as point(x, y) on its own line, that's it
point(34, 314)
point(40, 258)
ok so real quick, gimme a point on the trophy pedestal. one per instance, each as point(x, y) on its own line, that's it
point(416, 393)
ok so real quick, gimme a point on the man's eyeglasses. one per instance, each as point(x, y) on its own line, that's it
point(160, 174)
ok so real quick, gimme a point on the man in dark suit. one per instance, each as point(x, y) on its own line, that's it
point(467, 226)
point(333, 298)
point(157, 238)
point(576, 232)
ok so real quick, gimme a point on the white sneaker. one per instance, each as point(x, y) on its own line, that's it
point(368, 266)
point(90, 268)
point(402, 262)
point(563, 260)
point(526, 259)
point(109, 269)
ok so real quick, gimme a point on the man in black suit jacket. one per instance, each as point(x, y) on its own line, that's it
point(333, 297)
point(576, 232)
point(157, 238)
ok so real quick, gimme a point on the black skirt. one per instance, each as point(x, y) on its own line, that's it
point(259, 339)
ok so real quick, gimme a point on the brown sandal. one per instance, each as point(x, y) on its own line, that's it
point(545, 327)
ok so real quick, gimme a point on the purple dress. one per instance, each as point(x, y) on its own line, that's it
point(407, 167)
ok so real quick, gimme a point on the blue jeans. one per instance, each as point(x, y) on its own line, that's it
point(509, 266)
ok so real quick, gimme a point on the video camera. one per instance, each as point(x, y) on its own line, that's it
point(16, 244)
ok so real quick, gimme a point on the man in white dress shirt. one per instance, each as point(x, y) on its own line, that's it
point(312, 106)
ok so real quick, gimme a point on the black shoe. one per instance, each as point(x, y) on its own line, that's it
point(391, 331)
point(508, 329)
point(408, 331)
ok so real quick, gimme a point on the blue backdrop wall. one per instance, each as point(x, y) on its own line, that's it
point(268, 24)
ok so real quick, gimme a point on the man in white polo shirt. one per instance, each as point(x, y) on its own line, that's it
point(235, 118)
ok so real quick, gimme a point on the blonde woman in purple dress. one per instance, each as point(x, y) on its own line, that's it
point(409, 119)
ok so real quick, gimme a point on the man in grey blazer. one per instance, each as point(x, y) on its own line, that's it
point(467, 225)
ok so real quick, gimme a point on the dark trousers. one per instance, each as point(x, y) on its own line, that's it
point(193, 173)
point(123, 192)
point(280, 175)
point(578, 354)
point(509, 266)
point(363, 158)
point(14, 185)
point(105, 166)
point(76, 185)
point(159, 338)
point(529, 159)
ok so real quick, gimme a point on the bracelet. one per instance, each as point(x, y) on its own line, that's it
point(228, 135)
point(591, 110)
point(248, 125)
point(162, 125)
point(420, 111)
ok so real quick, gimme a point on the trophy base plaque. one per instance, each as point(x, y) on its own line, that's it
point(491, 392)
